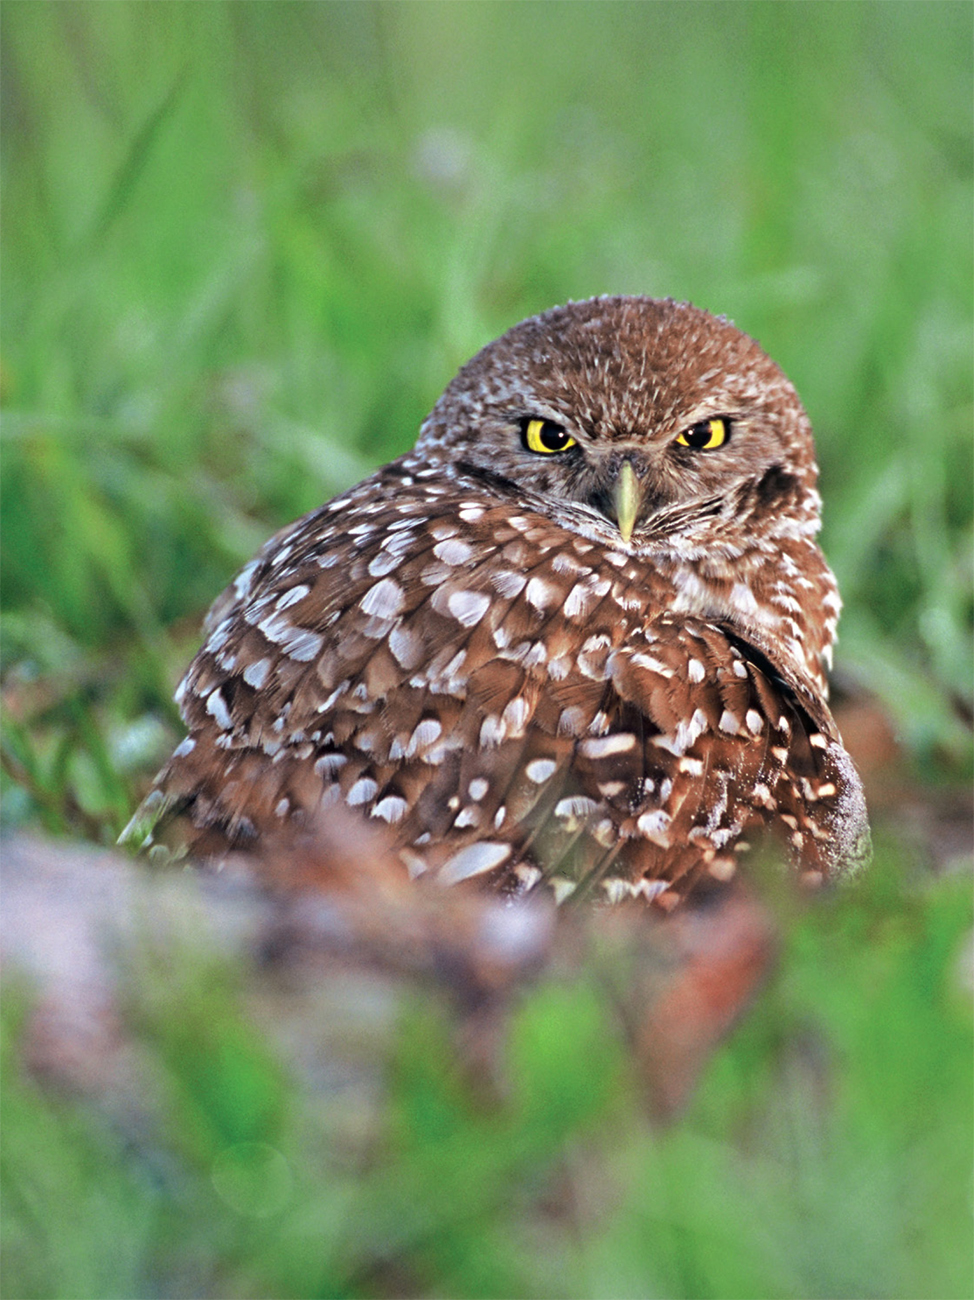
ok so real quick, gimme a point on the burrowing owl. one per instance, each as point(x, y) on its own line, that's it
point(576, 637)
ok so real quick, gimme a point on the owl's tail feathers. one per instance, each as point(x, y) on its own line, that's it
point(192, 809)
point(167, 828)
point(848, 818)
point(139, 833)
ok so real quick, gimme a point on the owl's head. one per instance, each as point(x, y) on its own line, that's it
point(649, 418)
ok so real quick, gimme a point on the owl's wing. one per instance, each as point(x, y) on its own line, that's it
point(512, 702)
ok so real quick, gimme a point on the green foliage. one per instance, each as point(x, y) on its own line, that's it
point(827, 1152)
point(246, 245)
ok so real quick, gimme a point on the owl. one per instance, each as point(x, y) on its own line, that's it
point(575, 641)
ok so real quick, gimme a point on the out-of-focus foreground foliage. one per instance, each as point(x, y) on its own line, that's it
point(827, 1152)
point(244, 248)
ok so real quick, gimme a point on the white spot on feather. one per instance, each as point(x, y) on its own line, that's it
point(302, 645)
point(296, 642)
point(650, 889)
point(242, 582)
point(384, 563)
point(508, 584)
point(577, 600)
point(653, 665)
point(361, 792)
point(292, 597)
point(540, 769)
point(255, 674)
point(219, 636)
point(655, 826)
point(384, 600)
point(425, 733)
point(528, 875)
point(473, 861)
point(453, 551)
point(217, 708)
point(391, 809)
point(559, 668)
point(442, 530)
point(604, 746)
point(687, 733)
point(406, 647)
point(515, 716)
point(468, 607)
point(578, 805)
point(492, 731)
point(571, 721)
point(616, 889)
point(540, 594)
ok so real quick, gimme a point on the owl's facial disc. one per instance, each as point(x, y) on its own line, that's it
point(636, 479)
point(630, 486)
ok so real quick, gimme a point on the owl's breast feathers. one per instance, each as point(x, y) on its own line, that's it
point(514, 702)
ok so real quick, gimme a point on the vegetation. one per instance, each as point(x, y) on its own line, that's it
point(244, 248)
point(827, 1152)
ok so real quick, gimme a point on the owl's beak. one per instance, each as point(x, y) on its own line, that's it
point(627, 497)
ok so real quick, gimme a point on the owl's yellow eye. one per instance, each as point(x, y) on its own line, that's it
point(546, 437)
point(707, 435)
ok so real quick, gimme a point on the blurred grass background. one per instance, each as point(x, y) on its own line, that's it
point(244, 248)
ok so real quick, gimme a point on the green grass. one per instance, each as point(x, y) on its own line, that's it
point(826, 1154)
point(244, 248)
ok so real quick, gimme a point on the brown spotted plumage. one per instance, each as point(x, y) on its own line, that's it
point(577, 637)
